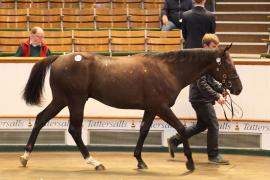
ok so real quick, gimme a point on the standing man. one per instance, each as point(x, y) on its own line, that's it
point(197, 22)
point(34, 46)
point(202, 95)
point(205, 91)
point(172, 13)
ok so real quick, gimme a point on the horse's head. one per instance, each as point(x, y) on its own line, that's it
point(225, 72)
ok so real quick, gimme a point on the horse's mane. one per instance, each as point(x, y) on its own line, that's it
point(190, 55)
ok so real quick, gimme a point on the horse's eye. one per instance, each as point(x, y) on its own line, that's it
point(224, 76)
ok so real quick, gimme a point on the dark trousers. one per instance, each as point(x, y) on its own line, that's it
point(206, 119)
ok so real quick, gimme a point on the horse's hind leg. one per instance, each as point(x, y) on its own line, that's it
point(42, 118)
point(147, 121)
point(168, 116)
point(76, 109)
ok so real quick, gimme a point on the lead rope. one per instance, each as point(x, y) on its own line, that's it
point(236, 110)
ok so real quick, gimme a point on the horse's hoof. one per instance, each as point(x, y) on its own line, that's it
point(100, 168)
point(142, 166)
point(190, 165)
point(23, 161)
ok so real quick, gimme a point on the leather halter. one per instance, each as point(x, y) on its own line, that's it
point(232, 106)
point(226, 79)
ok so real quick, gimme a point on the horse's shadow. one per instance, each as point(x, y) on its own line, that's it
point(201, 166)
point(135, 172)
point(112, 172)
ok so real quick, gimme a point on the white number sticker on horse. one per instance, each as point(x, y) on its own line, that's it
point(78, 58)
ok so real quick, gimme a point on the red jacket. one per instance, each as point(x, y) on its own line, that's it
point(26, 49)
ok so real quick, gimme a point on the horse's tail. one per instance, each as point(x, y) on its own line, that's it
point(33, 89)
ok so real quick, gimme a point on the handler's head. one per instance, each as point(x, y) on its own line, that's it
point(210, 41)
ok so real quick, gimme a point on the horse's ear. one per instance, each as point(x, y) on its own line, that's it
point(227, 48)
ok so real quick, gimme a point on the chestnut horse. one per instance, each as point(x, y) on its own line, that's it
point(149, 82)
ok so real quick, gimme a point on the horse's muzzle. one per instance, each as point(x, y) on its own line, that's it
point(236, 91)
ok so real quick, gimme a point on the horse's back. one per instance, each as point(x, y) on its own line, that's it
point(131, 82)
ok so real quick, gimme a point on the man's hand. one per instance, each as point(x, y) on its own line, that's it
point(165, 20)
point(221, 100)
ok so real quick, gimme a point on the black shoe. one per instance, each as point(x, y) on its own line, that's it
point(218, 160)
point(171, 146)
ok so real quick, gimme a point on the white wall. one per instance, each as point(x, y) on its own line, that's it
point(255, 99)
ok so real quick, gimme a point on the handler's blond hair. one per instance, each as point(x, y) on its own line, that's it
point(208, 38)
point(199, 1)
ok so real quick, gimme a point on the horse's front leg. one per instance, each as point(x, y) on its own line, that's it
point(147, 121)
point(168, 116)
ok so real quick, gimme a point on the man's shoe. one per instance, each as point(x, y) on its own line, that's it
point(171, 146)
point(218, 160)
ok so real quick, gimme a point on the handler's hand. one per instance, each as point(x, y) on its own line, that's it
point(221, 100)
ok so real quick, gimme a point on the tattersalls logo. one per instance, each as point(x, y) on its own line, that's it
point(58, 124)
point(107, 124)
point(16, 123)
point(244, 127)
point(225, 126)
point(257, 127)
point(29, 123)
point(159, 124)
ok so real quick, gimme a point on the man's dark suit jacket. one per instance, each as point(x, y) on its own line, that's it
point(196, 23)
point(174, 11)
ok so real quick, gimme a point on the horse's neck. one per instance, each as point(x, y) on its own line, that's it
point(190, 69)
